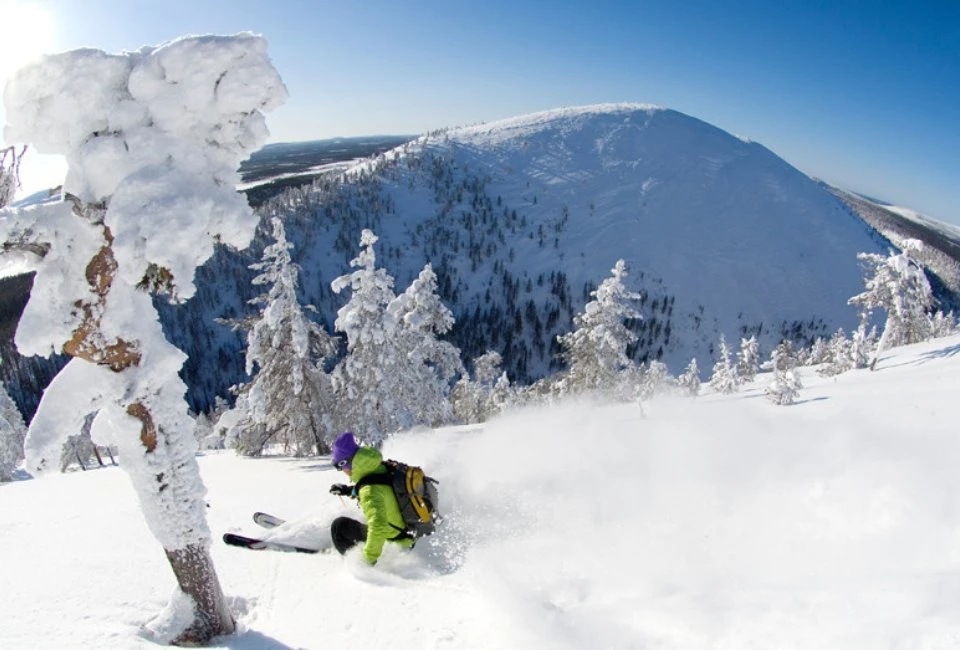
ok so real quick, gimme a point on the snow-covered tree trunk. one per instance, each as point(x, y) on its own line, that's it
point(153, 139)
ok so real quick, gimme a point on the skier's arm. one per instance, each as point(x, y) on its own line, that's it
point(379, 529)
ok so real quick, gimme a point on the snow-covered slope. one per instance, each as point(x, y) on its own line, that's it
point(522, 218)
point(716, 523)
point(723, 224)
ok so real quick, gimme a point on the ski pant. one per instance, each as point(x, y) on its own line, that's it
point(347, 533)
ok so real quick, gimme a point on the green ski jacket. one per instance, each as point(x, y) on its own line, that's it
point(379, 505)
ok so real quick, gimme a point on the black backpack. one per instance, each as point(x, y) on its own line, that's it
point(416, 493)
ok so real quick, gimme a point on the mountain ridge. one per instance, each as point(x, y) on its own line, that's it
point(522, 218)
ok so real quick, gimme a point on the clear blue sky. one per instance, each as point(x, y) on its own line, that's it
point(862, 94)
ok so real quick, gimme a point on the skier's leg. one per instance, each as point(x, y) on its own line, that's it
point(347, 533)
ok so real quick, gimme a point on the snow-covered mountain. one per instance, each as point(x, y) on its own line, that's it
point(522, 218)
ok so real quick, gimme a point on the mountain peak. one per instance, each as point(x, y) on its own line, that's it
point(543, 120)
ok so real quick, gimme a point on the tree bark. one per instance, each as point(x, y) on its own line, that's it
point(198, 579)
point(192, 565)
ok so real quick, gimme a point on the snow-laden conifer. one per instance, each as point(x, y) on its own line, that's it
point(152, 139)
point(862, 345)
point(426, 365)
point(654, 379)
point(786, 384)
point(689, 381)
point(288, 400)
point(365, 379)
point(818, 353)
point(748, 359)
point(838, 357)
point(724, 377)
point(488, 393)
point(942, 324)
point(783, 357)
point(596, 351)
point(898, 285)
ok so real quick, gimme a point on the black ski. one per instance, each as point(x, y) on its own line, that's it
point(255, 544)
point(267, 521)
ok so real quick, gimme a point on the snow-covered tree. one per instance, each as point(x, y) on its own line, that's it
point(784, 357)
point(426, 365)
point(748, 359)
point(654, 379)
point(365, 380)
point(898, 285)
point(596, 351)
point(289, 399)
point(818, 353)
point(862, 345)
point(487, 394)
point(838, 356)
point(786, 384)
point(152, 139)
point(12, 434)
point(942, 324)
point(724, 377)
point(689, 381)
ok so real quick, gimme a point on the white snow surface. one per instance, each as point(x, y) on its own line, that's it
point(721, 522)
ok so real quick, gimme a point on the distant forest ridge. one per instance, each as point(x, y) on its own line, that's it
point(282, 165)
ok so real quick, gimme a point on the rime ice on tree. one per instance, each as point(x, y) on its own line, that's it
point(898, 285)
point(724, 378)
point(396, 372)
point(596, 350)
point(153, 140)
point(288, 401)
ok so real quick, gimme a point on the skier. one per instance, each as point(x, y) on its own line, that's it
point(379, 503)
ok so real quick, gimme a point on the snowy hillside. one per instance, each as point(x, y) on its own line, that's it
point(522, 218)
point(941, 252)
point(720, 522)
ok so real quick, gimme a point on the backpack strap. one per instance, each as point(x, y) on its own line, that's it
point(373, 479)
point(383, 479)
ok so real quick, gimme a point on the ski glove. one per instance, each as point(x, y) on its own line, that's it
point(341, 490)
